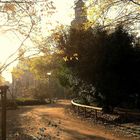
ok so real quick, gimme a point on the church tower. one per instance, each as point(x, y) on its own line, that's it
point(80, 15)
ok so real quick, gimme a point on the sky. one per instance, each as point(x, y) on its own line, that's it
point(9, 42)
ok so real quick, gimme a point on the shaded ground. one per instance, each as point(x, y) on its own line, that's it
point(54, 122)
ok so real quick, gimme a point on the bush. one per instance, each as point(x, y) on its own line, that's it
point(83, 101)
point(29, 101)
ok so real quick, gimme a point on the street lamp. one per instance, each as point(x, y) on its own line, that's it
point(49, 74)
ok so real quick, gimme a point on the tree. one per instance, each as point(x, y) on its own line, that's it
point(135, 2)
point(23, 19)
point(33, 75)
point(105, 60)
point(114, 12)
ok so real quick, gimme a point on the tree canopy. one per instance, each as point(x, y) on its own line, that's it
point(107, 60)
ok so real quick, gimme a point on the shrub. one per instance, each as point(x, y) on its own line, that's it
point(29, 101)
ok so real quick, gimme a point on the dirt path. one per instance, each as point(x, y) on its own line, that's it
point(54, 120)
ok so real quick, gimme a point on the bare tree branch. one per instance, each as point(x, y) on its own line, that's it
point(22, 43)
point(25, 27)
point(135, 2)
point(17, 58)
point(21, 1)
point(126, 13)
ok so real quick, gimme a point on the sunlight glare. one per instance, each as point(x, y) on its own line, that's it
point(9, 42)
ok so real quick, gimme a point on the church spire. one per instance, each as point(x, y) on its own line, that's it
point(80, 15)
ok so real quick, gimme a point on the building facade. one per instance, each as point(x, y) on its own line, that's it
point(22, 79)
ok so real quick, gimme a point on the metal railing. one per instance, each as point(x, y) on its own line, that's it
point(86, 108)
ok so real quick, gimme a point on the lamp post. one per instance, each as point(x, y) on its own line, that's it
point(3, 91)
point(49, 74)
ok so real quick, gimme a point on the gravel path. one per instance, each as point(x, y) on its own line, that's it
point(53, 122)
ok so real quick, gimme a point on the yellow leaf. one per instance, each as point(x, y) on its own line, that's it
point(75, 54)
point(65, 58)
point(76, 58)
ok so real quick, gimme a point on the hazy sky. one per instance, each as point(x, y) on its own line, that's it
point(9, 42)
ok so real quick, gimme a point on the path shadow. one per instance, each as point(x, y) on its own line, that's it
point(80, 136)
point(14, 120)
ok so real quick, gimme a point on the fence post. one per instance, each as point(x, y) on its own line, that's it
point(78, 110)
point(95, 114)
point(3, 90)
point(85, 112)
